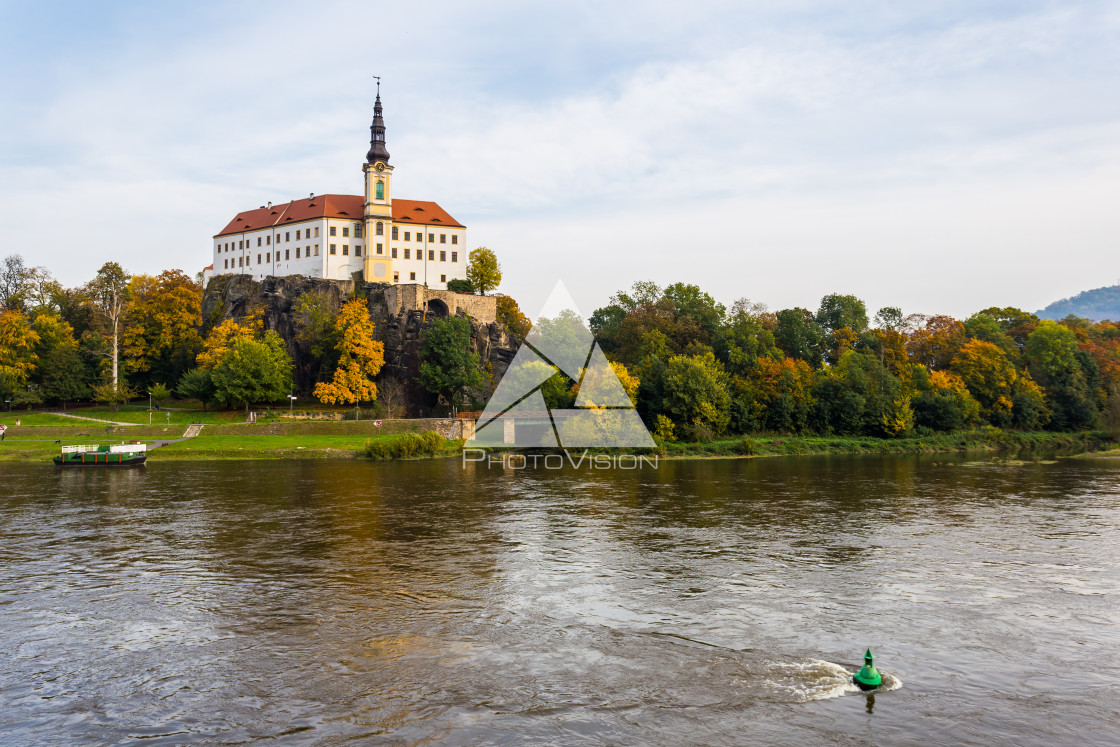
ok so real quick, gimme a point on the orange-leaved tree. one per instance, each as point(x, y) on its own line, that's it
point(360, 359)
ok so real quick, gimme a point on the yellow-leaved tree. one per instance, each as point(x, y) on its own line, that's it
point(360, 359)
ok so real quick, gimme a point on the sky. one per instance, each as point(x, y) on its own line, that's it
point(940, 156)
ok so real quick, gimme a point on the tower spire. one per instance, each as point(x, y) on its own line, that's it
point(377, 151)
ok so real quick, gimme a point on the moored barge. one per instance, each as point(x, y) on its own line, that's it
point(116, 455)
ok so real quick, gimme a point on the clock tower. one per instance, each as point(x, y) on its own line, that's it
point(378, 264)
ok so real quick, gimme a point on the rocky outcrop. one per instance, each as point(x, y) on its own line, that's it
point(400, 314)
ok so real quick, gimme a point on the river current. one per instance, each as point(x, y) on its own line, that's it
point(702, 602)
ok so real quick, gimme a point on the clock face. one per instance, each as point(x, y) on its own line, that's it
point(379, 166)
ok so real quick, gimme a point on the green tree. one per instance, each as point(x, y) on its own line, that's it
point(1066, 374)
point(253, 371)
point(483, 271)
point(448, 364)
point(159, 393)
point(13, 272)
point(889, 318)
point(314, 315)
point(696, 396)
point(360, 358)
point(837, 311)
point(197, 384)
point(112, 394)
point(65, 376)
point(800, 336)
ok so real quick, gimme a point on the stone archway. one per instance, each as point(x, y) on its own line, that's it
point(437, 308)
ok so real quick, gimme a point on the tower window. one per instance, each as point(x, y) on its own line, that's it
point(380, 228)
point(380, 250)
point(379, 190)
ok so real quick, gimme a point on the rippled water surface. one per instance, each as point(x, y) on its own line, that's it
point(710, 602)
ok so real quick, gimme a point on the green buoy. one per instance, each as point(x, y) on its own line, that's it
point(868, 678)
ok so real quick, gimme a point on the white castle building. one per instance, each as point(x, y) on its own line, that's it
point(387, 240)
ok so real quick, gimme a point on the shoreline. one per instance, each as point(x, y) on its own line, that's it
point(296, 441)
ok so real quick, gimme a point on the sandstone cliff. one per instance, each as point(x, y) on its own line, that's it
point(400, 313)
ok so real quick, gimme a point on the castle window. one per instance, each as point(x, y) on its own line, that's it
point(396, 277)
point(412, 276)
point(443, 278)
point(334, 230)
point(346, 230)
point(443, 238)
point(268, 240)
point(297, 234)
point(268, 256)
point(395, 233)
point(442, 255)
point(380, 190)
point(240, 263)
point(380, 229)
point(431, 238)
point(297, 252)
point(316, 250)
point(454, 239)
point(287, 254)
point(316, 232)
point(226, 265)
point(407, 251)
point(258, 258)
point(258, 241)
point(408, 235)
point(394, 251)
point(345, 250)
point(357, 230)
point(431, 255)
point(357, 250)
point(332, 248)
point(454, 256)
point(287, 236)
point(380, 250)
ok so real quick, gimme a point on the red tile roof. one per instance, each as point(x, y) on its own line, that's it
point(347, 207)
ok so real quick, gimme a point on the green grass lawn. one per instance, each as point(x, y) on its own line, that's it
point(34, 418)
point(264, 447)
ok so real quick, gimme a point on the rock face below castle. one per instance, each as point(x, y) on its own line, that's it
point(400, 313)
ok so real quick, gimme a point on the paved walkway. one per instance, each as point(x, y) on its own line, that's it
point(192, 431)
point(92, 420)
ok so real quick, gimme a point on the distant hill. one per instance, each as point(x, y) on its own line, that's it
point(1097, 304)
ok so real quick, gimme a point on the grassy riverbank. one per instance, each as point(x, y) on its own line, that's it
point(400, 439)
point(979, 440)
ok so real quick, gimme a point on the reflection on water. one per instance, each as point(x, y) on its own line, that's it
point(714, 602)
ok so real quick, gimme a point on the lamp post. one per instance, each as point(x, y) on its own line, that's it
point(291, 404)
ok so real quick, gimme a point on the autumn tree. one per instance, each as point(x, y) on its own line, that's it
point(18, 341)
point(509, 314)
point(944, 403)
point(360, 358)
point(483, 270)
point(161, 334)
point(990, 378)
point(936, 343)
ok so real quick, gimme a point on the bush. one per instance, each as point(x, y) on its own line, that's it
point(407, 446)
point(746, 446)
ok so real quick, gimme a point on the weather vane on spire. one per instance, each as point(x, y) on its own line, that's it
point(378, 79)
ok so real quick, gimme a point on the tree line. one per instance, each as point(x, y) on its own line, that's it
point(706, 370)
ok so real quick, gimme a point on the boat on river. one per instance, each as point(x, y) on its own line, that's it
point(115, 455)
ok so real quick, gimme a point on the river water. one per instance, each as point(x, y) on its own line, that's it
point(706, 602)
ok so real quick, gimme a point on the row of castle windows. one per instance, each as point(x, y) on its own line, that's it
point(412, 276)
point(267, 240)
